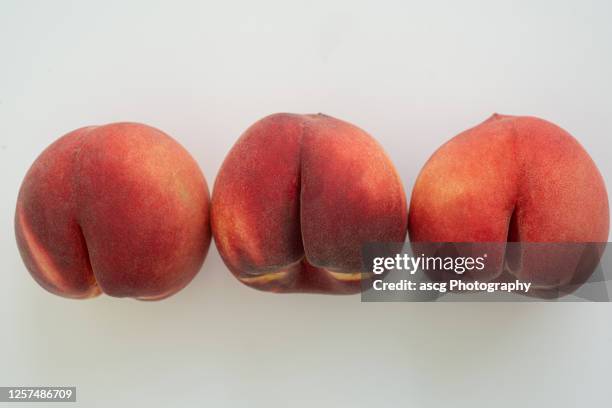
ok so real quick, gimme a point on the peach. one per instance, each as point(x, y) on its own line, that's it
point(296, 199)
point(518, 179)
point(121, 209)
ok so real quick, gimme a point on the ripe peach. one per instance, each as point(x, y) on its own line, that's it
point(120, 209)
point(514, 178)
point(297, 197)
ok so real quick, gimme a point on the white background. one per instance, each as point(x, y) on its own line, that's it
point(412, 74)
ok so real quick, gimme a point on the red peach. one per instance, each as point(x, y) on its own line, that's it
point(120, 209)
point(514, 178)
point(296, 199)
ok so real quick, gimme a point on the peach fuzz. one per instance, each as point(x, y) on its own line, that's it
point(121, 209)
point(518, 179)
point(296, 199)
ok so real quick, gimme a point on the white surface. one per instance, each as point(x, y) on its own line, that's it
point(411, 74)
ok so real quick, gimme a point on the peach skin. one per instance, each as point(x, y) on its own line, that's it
point(516, 179)
point(121, 209)
point(297, 197)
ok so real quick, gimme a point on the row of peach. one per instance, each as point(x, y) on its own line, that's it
point(125, 210)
